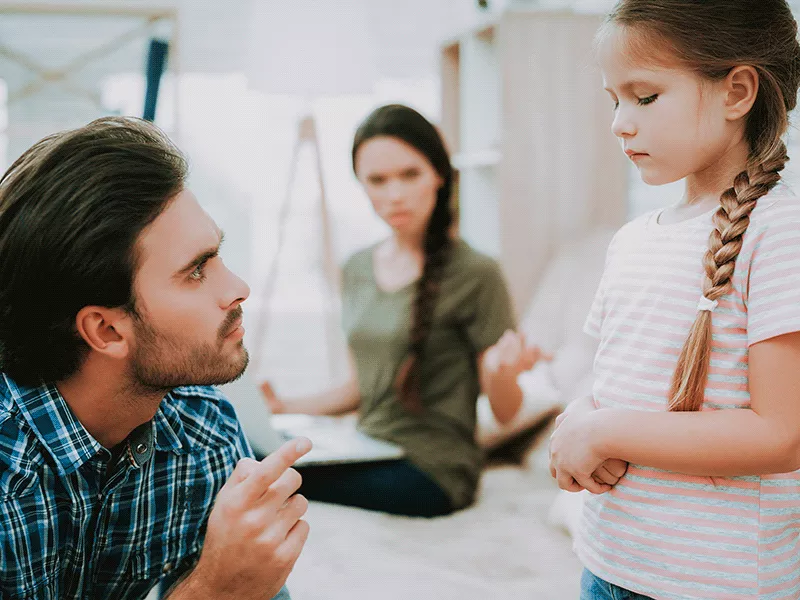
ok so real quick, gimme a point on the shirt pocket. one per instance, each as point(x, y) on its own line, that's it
point(178, 548)
point(42, 581)
point(165, 561)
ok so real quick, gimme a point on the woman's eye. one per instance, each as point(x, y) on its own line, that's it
point(648, 100)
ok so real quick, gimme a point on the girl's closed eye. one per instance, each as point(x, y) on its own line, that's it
point(640, 101)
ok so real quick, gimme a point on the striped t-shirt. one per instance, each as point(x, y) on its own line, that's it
point(669, 535)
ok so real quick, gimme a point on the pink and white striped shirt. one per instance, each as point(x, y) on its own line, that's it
point(669, 535)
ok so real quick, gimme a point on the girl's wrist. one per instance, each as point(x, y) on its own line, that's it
point(599, 434)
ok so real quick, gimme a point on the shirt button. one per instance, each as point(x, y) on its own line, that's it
point(167, 568)
point(141, 448)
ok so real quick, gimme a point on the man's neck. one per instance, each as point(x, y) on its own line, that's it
point(106, 404)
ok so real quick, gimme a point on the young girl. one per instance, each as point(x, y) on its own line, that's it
point(429, 323)
point(698, 313)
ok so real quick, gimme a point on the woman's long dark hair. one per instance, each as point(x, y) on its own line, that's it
point(408, 125)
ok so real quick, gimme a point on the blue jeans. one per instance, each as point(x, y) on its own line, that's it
point(594, 588)
point(396, 487)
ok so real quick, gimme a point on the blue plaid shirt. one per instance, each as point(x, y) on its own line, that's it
point(77, 522)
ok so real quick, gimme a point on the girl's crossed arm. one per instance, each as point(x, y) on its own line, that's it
point(760, 440)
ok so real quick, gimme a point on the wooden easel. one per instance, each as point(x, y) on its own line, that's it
point(306, 134)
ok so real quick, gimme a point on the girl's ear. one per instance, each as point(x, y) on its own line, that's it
point(741, 89)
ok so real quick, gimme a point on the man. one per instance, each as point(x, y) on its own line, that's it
point(116, 315)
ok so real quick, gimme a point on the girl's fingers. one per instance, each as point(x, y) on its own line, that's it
point(593, 486)
point(603, 475)
point(616, 467)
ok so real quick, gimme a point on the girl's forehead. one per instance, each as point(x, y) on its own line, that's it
point(629, 56)
point(626, 49)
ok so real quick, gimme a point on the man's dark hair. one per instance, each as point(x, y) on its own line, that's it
point(71, 210)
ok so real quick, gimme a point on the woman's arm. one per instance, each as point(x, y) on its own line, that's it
point(339, 400)
point(499, 366)
point(760, 440)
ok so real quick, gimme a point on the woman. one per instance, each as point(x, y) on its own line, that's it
point(429, 324)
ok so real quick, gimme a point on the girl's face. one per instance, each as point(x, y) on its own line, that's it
point(670, 121)
point(401, 183)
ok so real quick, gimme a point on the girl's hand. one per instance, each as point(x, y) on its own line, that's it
point(575, 458)
point(612, 470)
point(276, 406)
point(510, 356)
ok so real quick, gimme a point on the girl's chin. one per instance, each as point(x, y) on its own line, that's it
point(655, 177)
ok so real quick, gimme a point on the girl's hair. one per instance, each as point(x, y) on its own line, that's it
point(711, 37)
point(408, 125)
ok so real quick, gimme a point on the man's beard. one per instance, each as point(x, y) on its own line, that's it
point(162, 363)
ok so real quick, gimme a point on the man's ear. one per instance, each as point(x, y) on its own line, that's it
point(106, 330)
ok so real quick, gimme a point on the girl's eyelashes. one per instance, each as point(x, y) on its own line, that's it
point(640, 101)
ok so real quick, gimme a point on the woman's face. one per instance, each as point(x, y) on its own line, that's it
point(401, 183)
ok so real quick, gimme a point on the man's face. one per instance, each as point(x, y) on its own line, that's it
point(188, 323)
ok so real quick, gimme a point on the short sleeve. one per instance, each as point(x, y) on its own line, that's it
point(773, 296)
point(494, 313)
point(594, 320)
point(593, 326)
point(352, 278)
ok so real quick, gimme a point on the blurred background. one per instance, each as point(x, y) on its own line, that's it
point(512, 84)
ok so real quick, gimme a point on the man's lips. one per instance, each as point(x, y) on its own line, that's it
point(236, 324)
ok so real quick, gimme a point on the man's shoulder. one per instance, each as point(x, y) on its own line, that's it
point(20, 454)
point(205, 414)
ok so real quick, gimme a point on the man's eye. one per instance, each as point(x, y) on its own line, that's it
point(199, 273)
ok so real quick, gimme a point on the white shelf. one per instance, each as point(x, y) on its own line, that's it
point(526, 121)
point(479, 220)
point(479, 158)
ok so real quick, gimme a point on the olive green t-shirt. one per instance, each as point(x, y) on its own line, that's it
point(472, 312)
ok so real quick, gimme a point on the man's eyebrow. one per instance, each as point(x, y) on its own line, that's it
point(201, 257)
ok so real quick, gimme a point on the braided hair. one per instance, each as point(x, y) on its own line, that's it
point(711, 38)
point(411, 127)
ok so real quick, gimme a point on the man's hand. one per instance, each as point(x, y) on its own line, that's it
point(255, 531)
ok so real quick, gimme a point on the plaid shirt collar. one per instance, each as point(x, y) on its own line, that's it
point(65, 438)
